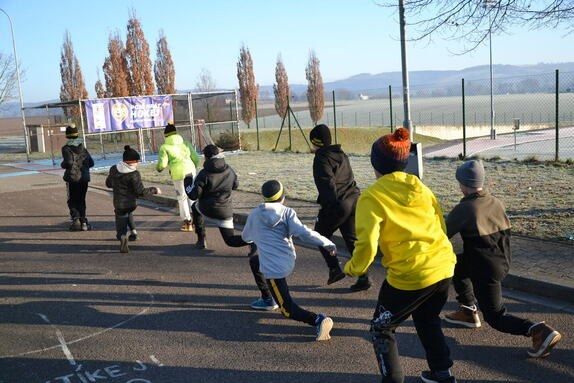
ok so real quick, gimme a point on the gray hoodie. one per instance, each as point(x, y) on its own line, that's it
point(271, 226)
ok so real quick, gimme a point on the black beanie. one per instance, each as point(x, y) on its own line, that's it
point(272, 191)
point(169, 129)
point(320, 135)
point(130, 155)
point(210, 151)
point(71, 131)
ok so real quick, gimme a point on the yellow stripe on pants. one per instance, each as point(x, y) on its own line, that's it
point(279, 298)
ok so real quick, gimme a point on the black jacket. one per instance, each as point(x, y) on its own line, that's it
point(481, 220)
point(127, 185)
point(333, 177)
point(212, 188)
point(86, 161)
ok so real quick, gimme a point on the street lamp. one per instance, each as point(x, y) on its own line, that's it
point(26, 138)
point(491, 4)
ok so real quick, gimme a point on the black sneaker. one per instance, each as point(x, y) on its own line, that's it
point(200, 244)
point(362, 283)
point(133, 236)
point(335, 275)
point(124, 248)
point(430, 377)
point(252, 249)
point(86, 226)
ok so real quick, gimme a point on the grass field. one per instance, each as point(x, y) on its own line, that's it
point(538, 202)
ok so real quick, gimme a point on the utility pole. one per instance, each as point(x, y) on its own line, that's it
point(406, 98)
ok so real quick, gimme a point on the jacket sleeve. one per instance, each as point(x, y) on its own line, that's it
point(89, 161)
point(325, 181)
point(109, 179)
point(193, 155)
point(297, 229)
point(68, 160)
point(248, 229)
point(455, 221)
point(235, 181)
point(438, 212)
point(137, 186)
point(162, 159)
point(367, 225)
point(198, 186)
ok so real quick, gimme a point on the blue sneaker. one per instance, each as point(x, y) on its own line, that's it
point(266, 304)
point(324, 325)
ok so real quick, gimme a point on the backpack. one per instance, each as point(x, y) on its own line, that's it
point(74, 174)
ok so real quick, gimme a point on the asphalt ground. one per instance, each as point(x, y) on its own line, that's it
point(75, 310)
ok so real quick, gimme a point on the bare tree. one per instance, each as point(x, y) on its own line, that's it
point(471, 20)
point(73, 87)
point(8, 77)
point(205, 82)
point(164, 70)
point(116, 68)
point(315, 94)
point(248, 89)
point(99, 87)
point(140, 80)
point(281, 88)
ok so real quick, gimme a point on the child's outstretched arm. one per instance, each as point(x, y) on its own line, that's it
point(297, 229)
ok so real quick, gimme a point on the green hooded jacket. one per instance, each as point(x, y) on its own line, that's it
point(179, 155)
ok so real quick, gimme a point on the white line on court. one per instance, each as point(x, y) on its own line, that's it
point(61, 339)
point(152, 301)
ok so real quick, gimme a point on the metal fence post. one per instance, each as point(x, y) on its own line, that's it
point(257, 124)
point(335, 117)
point(463, 123)
point(557, 156)
point(391, 107)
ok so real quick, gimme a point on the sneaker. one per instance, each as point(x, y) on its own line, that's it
point(200, 244)
point(187, 226)
point(544, 338)
point(430, 377)
point(335, 275)
point(76, 225)
point(124, 248)
point(324, 325)
point(86, 226)
point(267, 304)
point(362, 283)
point(464, 316)
point(133, 236)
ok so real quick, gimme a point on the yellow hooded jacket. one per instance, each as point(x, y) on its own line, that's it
point(402, 216)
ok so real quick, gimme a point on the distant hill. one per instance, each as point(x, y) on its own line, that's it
point(517, 79)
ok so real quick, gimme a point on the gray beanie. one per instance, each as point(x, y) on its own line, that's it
point(471, 174)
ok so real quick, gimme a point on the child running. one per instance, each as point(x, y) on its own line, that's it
point(402, 217)
point(338, 195)
point(271, 226)
point(126, 182)
point(211, 191)
point(481, 220)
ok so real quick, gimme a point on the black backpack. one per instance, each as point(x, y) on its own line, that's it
point(74, 174)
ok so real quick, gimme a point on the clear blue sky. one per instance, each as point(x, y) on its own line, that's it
point(349, 37)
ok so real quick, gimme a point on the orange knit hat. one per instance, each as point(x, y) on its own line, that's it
point(391, 152)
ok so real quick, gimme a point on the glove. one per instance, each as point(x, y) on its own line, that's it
point(332, 249)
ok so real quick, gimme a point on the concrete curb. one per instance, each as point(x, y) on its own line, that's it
point(515, 282)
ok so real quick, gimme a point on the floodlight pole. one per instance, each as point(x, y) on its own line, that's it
point(405, 73)
point(26, 138)
point(491, 4)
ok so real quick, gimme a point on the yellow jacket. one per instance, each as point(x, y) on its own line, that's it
point(402, 216)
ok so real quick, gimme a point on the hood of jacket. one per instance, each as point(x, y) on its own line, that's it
point(76, 146)
point(125, 168)
point(215, 164)
point(404, 188)
point(271, 213)
point(330, 150)
point(174, 139)
point(74, 142)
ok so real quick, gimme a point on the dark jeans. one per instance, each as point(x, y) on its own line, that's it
point(77, 200)
point(395, 306)
point(124, 220)
point(288, 307)
point(232, 240)
point(487, 292)
point(341, 218)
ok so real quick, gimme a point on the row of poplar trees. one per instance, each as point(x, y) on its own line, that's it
point(128, 72)
point(249, 90)
point(127, 68)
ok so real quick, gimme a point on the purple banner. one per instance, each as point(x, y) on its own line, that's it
point(127, 113)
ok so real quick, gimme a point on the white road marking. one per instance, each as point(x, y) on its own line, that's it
point(155, 360)
point(62, 341)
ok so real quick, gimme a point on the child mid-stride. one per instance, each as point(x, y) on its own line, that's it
point(271, 226)
point(481, 220)
point(126, 182)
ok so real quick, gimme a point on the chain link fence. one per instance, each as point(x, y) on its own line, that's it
point(537, 111)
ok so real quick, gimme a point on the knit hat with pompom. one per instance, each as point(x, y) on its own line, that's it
point(390, 153)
